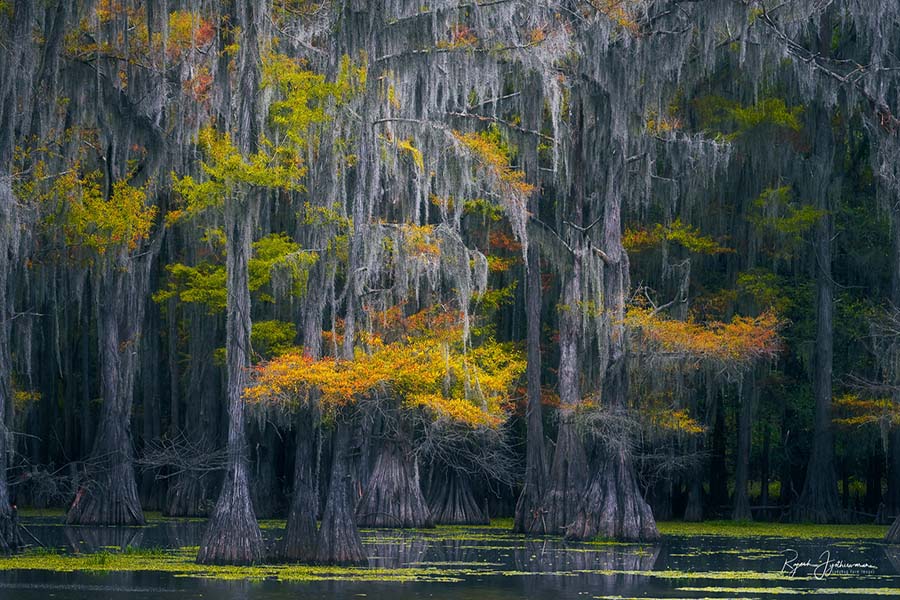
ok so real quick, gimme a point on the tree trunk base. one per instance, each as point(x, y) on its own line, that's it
point(187, 496)
point(693, 511)
point(893, 534)
point(338, 542)
point(818, 503)
point(299, 544)
point(613, 507)
point(741, 510)
point(9, 531)
point(110, 499)
point(393, 497)
point(529, 511)
point(568, 480)
point(232, 536)
point(454, 503)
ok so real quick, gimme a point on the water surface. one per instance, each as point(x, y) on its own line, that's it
point(455, 563)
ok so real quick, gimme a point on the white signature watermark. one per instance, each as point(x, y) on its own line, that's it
point(824, 566)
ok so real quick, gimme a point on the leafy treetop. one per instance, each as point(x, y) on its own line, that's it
point(424, 367)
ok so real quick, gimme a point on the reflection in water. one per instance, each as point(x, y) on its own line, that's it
point(552, 556)
point(99, 539)
point(457, 563)
point(396, 553)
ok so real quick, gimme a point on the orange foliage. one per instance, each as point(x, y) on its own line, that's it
point(427, 367)
point(740, 340)
point(503, 241)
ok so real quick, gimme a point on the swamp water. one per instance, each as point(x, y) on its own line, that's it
point(705, 560)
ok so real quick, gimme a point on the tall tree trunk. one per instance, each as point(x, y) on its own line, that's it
point(109, 495)
point(232, 535)
point(693, 510)
point(339, 542)
point(299, 542)
point(528, 516)
point(569, 471)
point(613, 506)
point(718, 478)
point(189, 493)
point(819, 501)
point(17, 39)
point(300, 533)
point(746, 398)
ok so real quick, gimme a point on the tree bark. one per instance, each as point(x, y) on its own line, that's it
point(339, 542)
point(613, 506)
point(232, 535)
point(452, 501)
point(528, 506)
point(109, 495)
point(18, 36)
point(818, 502)
point(393, 496)
point(300, 533)
point(528, 516)
point(569, 471)
point(718, 472)
point(299, 542)
point(746, 398)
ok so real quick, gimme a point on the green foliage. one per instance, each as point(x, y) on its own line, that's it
point(483, 208)
point(731, 120)
point(782, 221)
point(277, 252)
point(203, 284)
point(271, 338)
point(767, 290)
point(278, 163)
point(95, 223)
point(206, 284)
point(683, 234)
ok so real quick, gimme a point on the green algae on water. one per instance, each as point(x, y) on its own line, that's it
point(803, 531)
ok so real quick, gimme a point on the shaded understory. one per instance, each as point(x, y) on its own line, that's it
point(693, 560)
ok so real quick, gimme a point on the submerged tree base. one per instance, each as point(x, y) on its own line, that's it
point(453, 503)
point(110, 500)
point(893, 534)
point(187, 496)
point(232, 535)
point(613, 507)
point(9, 531)
point(394, 496)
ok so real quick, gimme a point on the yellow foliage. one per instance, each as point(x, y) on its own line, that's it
point(431, 370)
point(415, 153)
point(496, 160)
point(101, 224)
point(418, 240)
point(685, 235)
point(865, 411)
